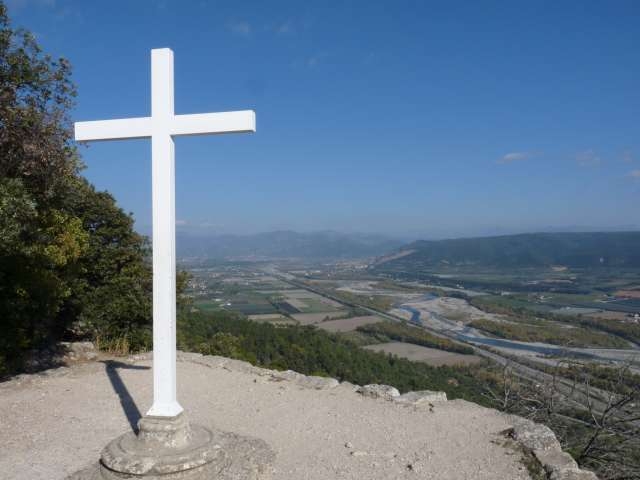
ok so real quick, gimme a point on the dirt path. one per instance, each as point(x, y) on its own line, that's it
point(54, 425)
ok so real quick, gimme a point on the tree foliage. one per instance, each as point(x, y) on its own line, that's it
point(313, 351)
point(68, 255)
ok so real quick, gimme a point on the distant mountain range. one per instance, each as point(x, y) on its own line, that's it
point(283, 244)
point(587, 249)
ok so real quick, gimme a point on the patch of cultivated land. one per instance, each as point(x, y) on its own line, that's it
point(299, 293)
point(631, 293)
point(309, 302)
point(575, 311)
point(266, 317)
point(311, 318)
point(331, 303)
point(348, 324)
point(375, 288)
point(552, 333)
point(609, 315)
point(297, 303)
point(271, 318)
point(418, 353)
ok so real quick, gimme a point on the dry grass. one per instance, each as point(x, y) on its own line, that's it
point(119, 346)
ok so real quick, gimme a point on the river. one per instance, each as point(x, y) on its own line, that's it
point(471, 335)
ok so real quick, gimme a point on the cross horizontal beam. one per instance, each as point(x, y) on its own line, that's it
point(214, 123)
point(113, 129)
point(142, 127)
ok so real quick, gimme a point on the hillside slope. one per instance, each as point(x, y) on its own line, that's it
point(578, 250)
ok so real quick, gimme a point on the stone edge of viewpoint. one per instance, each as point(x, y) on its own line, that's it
point(535, 439)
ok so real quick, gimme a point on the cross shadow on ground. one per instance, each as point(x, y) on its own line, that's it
point(126, 400)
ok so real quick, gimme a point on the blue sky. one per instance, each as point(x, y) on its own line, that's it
point(414, 119)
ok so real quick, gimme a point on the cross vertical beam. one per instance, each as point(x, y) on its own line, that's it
point(161, 126)
point(164, 248)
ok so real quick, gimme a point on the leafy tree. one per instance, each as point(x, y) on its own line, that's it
point(69, 256)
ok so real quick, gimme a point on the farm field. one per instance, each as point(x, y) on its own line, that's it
point(305, 302)
point(312, 318)
point(260, 296)
point(348, 324)
point(275, 318)
point(618, 316)
point(418, 353)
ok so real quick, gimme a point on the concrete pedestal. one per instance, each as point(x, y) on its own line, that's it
point(169, 448)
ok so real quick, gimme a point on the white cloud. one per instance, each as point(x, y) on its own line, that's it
point(627, 156)
point(515, 157)
point(240, 28)
point(181, 222)
point(634, 174)
point(588, 158)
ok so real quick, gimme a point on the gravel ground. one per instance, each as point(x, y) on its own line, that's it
point(55, 424)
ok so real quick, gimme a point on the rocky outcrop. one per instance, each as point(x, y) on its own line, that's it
point(78, 351)
point(421, 397)
point(543, 444)
point(378, 391)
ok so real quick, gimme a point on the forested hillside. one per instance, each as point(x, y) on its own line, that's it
point(313, 351)
point(579, 250)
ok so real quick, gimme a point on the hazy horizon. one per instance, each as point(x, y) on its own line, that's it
point(406, 236)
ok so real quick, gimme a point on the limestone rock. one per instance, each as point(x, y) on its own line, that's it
point(555, 461)
point(211, 361)
point(560, 465)
point(317, 383)
point(534, 436)
point(78, 351)
point(348, 386)
point(421, 397)
point(378, 391)
point(188, 356)
point(573, 474)
point(543, 444)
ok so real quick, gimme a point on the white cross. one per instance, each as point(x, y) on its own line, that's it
point(161, 126)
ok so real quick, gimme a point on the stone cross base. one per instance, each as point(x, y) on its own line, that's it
point(169, 448)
